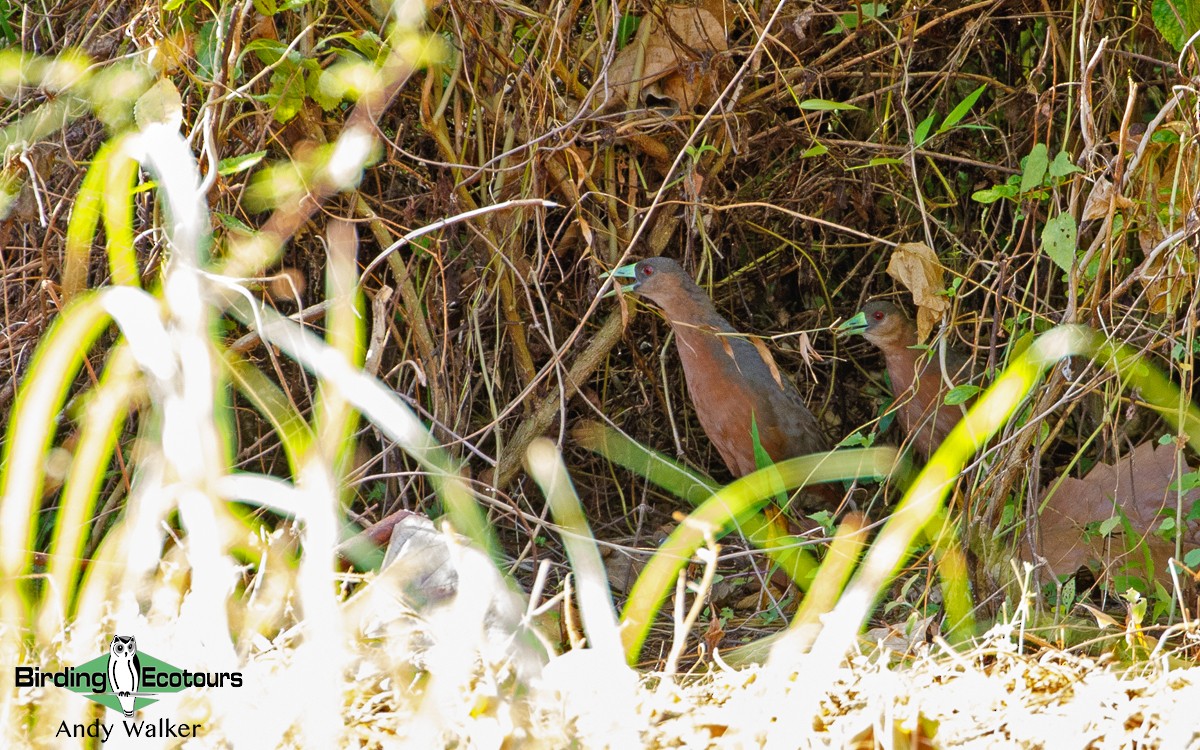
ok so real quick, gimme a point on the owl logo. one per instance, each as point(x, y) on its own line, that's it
point(124, 671)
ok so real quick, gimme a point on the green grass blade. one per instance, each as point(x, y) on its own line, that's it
point(733, 506)
point(104, 417)
point(120, 175)
point(595, 598)
point(672, 476)
point(85, 218)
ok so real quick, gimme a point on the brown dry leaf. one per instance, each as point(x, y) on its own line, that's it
point(713, 634)
point(903, 637)
point(1096, 206)
point(1168, 277)
point(678, 62)
point(725, 343)
point(1103, 619)
point(916, 266)
point(807, 351)
point(1139, 485)
point(621, 569)
point(765, 353)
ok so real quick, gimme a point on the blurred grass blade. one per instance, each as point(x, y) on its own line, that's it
point(921, 506)
point(769, 533)
point(670, 475)
point(595, 598)
point(378, 404)
point(104, 418)
point(85, 217)
point(334, 422)
point(820, 597)
point(31, 427)
point(295, 434)
point(120, 175)
point(732, 505)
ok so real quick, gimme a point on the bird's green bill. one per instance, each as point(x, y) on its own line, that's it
point(630, 272)
point(854, 326)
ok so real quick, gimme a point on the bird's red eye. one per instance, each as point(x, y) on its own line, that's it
point(647, 270)
point(878, 315)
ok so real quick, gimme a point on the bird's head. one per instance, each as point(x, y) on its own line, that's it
point(883, 324)
point(657, 279)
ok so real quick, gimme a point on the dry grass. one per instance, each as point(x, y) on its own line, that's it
point(490, 330)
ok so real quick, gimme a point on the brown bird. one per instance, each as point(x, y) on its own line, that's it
point(924, 415)
point(729, 379)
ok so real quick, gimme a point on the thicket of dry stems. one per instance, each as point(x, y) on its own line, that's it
point(491, 328)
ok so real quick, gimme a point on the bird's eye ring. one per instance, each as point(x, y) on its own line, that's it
point(878, 315)
point(647, 270)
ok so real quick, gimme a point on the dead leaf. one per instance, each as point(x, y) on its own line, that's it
point(765, 353)
point(159, 105)
point(1096, 206)
point(713, 634)
point(808, 352)
point(902, 637)
point(621, 569)
point(916, 266)
point(1103, 619)
point(1138, 485)
point(678, 62)
point(1167, 276)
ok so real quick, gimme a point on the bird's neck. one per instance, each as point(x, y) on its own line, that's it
point(690, 308)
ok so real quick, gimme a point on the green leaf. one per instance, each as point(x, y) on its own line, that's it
point(323, 88)
point(960, 111)
point(847, 21)
point(960, 394)
point(208, 51)
point(987, 195)
point(266, 50)
point(1192, 559)
point(1035, 167)
point(1062, 166)
point(1168, 14)
point(921, 134)
point(824, 105)
point(1058, 240)
point(1162, 135)
point(286, 95)
point(882, 161)
point(232, 222)
point(1186, 482)
point(817, 149)
point(856, 440)
point(1109, 525)
point(1193, 513)
point(366, 43)
point(235, 164)
point(626, 28)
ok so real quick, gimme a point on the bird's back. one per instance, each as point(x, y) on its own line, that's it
point(730, 383)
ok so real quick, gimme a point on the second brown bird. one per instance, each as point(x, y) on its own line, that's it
point(917, 379)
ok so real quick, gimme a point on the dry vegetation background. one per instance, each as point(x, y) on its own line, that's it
point(782, 150)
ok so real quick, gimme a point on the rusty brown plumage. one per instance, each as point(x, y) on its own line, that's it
point(917, 377)
point(728, 378)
